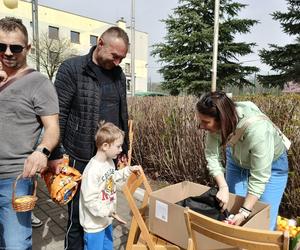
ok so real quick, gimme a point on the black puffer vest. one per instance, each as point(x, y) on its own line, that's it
point(79, 101)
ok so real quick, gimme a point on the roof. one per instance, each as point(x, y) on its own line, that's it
point(291, 87)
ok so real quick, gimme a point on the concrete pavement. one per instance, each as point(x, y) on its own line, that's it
point(50, 236)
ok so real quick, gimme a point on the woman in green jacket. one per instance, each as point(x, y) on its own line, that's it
point(256, 159)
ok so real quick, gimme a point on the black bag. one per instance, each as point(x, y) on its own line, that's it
point(206, 204)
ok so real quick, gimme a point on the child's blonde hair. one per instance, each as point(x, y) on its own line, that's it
point(107, 133)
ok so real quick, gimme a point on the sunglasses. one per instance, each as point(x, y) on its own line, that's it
point(14, 48)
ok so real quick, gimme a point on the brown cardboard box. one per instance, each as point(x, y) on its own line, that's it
point(166, 218)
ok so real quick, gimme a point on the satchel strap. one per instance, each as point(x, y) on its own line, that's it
point(238, 133)
point(21, 74)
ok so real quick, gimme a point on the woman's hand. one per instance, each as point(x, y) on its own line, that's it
point(245, 210)
point(223, 196)
point(238, 219)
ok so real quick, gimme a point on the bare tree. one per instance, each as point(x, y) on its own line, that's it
point(53, 52)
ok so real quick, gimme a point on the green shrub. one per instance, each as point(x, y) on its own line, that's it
point(169, 146)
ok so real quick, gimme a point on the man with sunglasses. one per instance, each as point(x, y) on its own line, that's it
point(28, 102)
point(90, 88)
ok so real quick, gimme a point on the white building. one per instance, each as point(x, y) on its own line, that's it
point(83, 33)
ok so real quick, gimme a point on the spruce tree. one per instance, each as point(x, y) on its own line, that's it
point(187, 52)
point(284, 60)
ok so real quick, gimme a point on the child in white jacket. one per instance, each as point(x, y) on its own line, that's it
point(98, 199)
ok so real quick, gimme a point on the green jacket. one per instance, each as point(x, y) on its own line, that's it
point(260, 145)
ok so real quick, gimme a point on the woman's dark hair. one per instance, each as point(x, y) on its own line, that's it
point(219, 106)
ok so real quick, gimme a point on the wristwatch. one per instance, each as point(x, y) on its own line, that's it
point(245, 212)
point(44, 151)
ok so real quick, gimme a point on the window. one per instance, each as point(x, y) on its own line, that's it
point(32, 50)
point(128, 84)
point(127, 68)
point(53, 57)
point(75, 37)
point(93, 40)
point(53, 32)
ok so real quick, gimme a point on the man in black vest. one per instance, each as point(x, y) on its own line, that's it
point(90, 88)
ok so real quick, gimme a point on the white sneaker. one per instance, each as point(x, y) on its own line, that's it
point(35, 222)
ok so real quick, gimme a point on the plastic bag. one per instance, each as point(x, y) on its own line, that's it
point(63, 186)
point(206, 204)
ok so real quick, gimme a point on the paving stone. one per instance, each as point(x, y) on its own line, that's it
point(120, 247)
point(117, 233)
point(42, 195)
point(40, 214)
point(44, 207)
point(57, 230)
point(120, 242)
point(55, 211)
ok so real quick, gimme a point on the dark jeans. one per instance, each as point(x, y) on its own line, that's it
point(74, 235)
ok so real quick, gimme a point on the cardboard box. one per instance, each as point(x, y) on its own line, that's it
point(166, 219)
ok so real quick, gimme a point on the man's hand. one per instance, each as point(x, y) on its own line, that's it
point(3, 75)
point(36, 162)
point(122, 161)
point(54, 165)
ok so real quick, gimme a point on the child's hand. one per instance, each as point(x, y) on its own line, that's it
point(118, 218)
point(136, 169)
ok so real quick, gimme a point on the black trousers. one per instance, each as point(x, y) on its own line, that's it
point(74, 235)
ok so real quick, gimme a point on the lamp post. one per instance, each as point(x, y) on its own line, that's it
point(35, 32)
point(132, 47)
point(215, 46)
point(12, 4)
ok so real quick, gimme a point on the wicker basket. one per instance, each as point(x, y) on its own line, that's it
point(26, 202)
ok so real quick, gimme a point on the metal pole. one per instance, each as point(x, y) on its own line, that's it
point(132, 47)
point(215, 48)
point(35, 32)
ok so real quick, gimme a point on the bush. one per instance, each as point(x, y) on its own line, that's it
point(169, 146)
point(166, 140)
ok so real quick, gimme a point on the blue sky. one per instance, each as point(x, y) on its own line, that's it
point(150, 12)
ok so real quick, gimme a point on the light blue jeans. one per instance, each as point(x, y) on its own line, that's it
point(237, 180)
point(15, 228)
point(102, 240)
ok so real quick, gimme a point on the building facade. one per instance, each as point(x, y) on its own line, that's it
point(83, 33)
